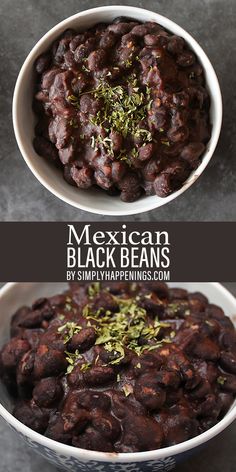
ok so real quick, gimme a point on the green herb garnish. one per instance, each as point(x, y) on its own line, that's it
point(94, 289)
point(221, 380)
point(123, 110)
point(128, 389)
point(73, 100)
point(72, 359)
point(124, 328)
point(69, 329)
point(68, 307)
point(165, 142)
point(85, 366)
point(85, 69)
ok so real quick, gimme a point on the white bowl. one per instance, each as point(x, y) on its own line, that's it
point(95, 200)
point(73, 459)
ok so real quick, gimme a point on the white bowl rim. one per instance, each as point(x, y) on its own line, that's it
point(87, 455)
point(216, 126)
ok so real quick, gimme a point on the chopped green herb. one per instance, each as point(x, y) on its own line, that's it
point(122, 329)
point(165, 142)
point(221, 380)
point(69, 329)
point(94, 289)
point(68, 307)
point(93, 143)
point(85, 366)
point(209, 323)
point(72, 359)
point(128, 63)
point(128, 389)
point(175, 308)
point(123, 111)
point(73, 122)
point(73, 100)
point(61, 317)
point(85, 69)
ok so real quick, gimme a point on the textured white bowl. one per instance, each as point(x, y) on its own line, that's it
point(73, 459)
point(94, 200)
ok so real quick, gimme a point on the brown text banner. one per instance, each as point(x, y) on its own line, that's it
point(90, 251)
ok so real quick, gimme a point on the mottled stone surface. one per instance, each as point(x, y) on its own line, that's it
point(211, 22)
point(218, 455)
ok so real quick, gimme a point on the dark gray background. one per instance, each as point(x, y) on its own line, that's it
point(218, 456)
point(211, 22)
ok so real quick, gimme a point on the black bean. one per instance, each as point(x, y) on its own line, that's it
point(99, 376)
point(192, 152)
point(82, 177)
point(186, 59)
point(151, 39)
point(120, 28)
point(175, 45)
point(228, 362)
point(48, 362)
point(117, 140)
point(42, 63)
point(62, 48)
point(108, 40)
point(146, 151)
point(149, 393)
point(102, 180)
point(45, 148)
point(157, 118)
point(89, 105)
point(178, 134)
point(140, 30)
point(75, 418)
point(83, 340)
point(69, 60)
point(32, 416)
point(130, 187)
point(227, 383)
point(81, 53)
point(105, 302)
point(96, 60)
point(92, 440)
point(206, 349)
point(77, 40)
point(152, 168)
point(163, 185)
point(12, 353)
point(96, 400)
point(67, 154)
point(24, 375)
point(122, 19)
point(55, 429)
point(107, 425)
